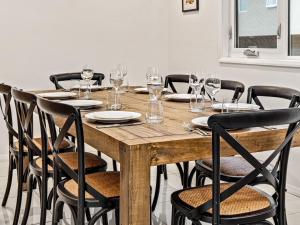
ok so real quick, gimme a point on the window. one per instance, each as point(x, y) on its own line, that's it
point(265, 32)
point(243, 5)
point(271, 3)
point(294, 34)
point(256, 28)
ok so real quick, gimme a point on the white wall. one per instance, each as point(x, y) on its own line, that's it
point(193, 46)
point(39, 38)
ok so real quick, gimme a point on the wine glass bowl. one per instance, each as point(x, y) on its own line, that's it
point(87, 75)
point(212, 87)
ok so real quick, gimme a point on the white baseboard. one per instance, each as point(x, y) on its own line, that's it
point(293, 190)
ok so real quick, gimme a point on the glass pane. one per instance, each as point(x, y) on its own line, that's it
point(294, 27)
point(257, 24)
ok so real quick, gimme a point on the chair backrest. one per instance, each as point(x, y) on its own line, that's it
point(220, 123)
point(55, 79)
point(254, 92)
point(71, 119)
point(178, 78)
point(25, 106)
point(235, 86)
point(6, 111)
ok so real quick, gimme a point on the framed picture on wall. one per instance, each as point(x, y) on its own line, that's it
point(190, 5)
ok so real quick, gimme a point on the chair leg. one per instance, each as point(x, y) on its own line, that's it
point(50, 200)
point(9, 180)
point(191, 176)
point(185, 174)
point(117, 216)
point(157, 188)
point(115, 166)
point(88, 214)
point(74, 214)
point(102, 213)
point(44, 199)
point(104, 219)
point(57, 211)
point(30, 184)
point(19, 191)
point(165, 169)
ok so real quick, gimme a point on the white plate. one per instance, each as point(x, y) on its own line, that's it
point(58, 95)
point(144, 90)
point(179, 97)
point(84, 104)
point(201, 122)
point(234, 106)
point(112, 116)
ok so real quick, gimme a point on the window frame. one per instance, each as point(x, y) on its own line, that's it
point(270, 57)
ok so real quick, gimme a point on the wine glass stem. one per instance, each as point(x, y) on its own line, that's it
point(116, 96)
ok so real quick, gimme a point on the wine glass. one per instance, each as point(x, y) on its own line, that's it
point(87, 75)
point(212, 87)
point(196, 83)
point(116, 80)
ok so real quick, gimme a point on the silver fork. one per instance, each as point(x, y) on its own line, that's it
point(189, 128)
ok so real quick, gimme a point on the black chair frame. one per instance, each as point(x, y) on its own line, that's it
point(55, 79)
point(15, 152)
point(178, 78)
point(276, 177)
point(254, 92)
point(203, 171)
point(78, 206)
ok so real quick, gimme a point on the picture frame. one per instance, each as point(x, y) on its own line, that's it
point(190, 5)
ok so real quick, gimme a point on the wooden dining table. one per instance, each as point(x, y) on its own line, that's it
point(139, 147)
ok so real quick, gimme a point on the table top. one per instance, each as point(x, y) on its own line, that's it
point(170, 142)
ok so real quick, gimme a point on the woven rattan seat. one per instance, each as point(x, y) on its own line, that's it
point(231, 166)
point(39, 162)
point(106, 183)
point(38, 142)
point(65, 144)
point(70, 158)
point(91, 160)
point(246, 200)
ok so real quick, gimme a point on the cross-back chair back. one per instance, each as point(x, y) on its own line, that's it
point(235, 86)
point(254, 92)
point(55, 79)
point(6, 111)
point(25, 105)
point(72, 121)
point(276, 177)
point(178, 78)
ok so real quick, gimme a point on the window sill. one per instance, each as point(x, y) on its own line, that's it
point(290, 63)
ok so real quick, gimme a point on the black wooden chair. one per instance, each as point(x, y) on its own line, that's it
point(17, 152)
point(183, 169)
point(55, 79)
point(82, 190)
point(234, 168)
point(239, 202)
point(38, 171)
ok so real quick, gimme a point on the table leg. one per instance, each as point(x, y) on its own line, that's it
point(135, 185)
